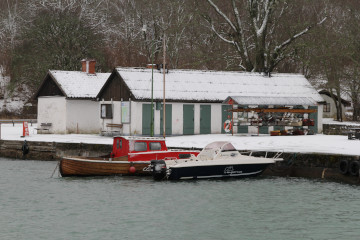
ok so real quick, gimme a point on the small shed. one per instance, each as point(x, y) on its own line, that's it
point(67, 100)
point(195, 99)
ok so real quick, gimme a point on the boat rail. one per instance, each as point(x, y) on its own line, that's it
point(277, 154)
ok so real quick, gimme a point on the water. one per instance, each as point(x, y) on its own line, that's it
point(35, 206)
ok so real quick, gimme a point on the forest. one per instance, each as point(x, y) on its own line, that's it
point(316, 38)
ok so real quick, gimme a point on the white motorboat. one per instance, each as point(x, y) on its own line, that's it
point(216, 160)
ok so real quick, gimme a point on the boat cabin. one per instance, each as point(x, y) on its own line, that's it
point(122, 146)
point(127, 148)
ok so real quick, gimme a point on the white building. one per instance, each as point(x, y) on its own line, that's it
point(67, 100)
point(194, 99)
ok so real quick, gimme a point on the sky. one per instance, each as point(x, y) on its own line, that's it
point(333, 144)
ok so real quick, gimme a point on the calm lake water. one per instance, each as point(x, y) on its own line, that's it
point(35, 206)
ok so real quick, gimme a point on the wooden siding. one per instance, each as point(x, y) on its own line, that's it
point(115, 89)
point(49, 88)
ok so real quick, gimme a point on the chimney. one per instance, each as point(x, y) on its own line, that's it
point(88, 66)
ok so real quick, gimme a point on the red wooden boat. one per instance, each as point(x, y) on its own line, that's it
point(129, 156)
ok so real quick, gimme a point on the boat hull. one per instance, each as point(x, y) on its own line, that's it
point(84, 167)
point(216, 171)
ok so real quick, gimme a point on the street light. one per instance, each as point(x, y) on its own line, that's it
point(144, 29)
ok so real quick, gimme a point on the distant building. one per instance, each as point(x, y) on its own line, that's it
point(67, 100)
point(195, 99)
point(329, 105)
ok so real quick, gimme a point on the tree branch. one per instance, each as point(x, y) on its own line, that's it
point(216, 8)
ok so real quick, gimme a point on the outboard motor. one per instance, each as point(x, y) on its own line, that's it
point(158, 169)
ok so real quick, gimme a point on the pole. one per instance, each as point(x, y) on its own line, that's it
point(152, 91)
point(164, 62)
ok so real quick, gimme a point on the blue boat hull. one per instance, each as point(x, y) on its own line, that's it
point(216, 171)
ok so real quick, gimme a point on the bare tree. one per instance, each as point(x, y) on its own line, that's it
point(250, 27)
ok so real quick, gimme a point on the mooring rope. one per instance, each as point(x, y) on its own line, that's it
point(55, 169)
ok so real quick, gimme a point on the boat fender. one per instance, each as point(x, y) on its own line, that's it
point(354, 168)
point(132, 169)
point(25, 148)
point(344, 166)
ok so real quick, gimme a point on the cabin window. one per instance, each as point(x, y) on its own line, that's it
point(327, 107)
point(106, 111)
point(140, 146)
point(155, 146)
point(119, 144)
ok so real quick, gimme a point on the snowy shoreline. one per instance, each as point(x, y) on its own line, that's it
point(323, 144)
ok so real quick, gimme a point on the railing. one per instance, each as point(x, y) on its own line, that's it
point(13, 121)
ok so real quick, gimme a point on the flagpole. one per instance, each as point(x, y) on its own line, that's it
point(164, 106)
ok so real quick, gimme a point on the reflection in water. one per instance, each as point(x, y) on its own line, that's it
point(35, 206)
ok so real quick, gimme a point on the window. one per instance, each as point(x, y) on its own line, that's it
point(155, 146)
point(119, 144)
point(106, 111)
point(140, 146)
point(327, 107)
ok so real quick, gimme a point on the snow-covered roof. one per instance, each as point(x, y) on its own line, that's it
point(76, 84)
point(190, 85)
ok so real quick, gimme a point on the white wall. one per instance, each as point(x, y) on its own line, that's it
point(332, 113)
point(52, 110)
point(82, 116)
point(320, 118)
point(127, 128)
point(216, 115)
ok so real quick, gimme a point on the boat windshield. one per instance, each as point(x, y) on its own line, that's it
point(228, 147)
point(224, 146)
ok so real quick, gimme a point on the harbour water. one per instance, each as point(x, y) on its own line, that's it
point(35, 206)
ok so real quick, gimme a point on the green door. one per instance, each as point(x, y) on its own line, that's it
point(205, 119)
point(225, 115)
point(188, 117)
point(146, 119)
point(168, 120)
point(315, 117)
point(264, 130)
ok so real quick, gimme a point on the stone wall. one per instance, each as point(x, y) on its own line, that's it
point(51, 150)
point(337, 129)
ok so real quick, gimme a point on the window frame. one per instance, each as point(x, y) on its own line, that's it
point(106, 111)
point(137, 143)
point(152, 143)
point(327, 107)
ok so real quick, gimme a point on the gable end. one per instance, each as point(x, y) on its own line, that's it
point(115, 89)
point(49, 88)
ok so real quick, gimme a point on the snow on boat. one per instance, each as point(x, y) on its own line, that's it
point(129, 156)
point(216, 160)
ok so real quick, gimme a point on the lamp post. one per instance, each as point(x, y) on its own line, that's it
point(144, 29)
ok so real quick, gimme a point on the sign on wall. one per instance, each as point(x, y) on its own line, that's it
point(125, 112)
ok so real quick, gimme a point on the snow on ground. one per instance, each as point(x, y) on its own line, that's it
point(332, 121)
point(304, 144)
